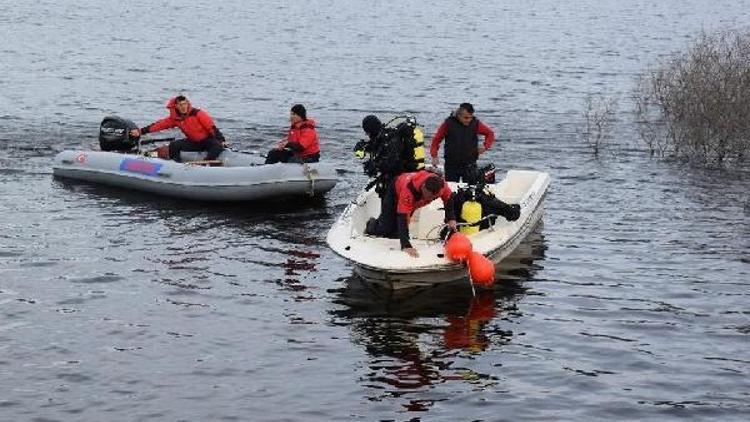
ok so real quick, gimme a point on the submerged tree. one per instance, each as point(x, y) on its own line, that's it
point(696, 105)
point(599, 118)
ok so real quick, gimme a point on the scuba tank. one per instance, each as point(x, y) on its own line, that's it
point(471, 212)
point(418, 147)
point(412, 141)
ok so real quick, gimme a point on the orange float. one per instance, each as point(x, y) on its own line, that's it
point(458, 247)
point(481, 270)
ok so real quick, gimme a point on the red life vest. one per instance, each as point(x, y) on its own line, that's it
point(197, 125)
point(304, 134)
point(409, 192)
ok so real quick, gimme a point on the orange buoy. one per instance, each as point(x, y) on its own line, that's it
point(458, 247)
point(481, 270)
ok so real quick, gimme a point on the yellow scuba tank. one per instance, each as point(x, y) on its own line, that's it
point(419, 147)
point(471, 212)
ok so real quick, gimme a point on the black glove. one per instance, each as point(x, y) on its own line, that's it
point(513, 213)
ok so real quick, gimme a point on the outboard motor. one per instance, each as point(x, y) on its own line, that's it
point(114, 134)
point(480, 175)
point(488, 174)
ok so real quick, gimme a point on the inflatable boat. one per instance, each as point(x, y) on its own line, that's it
point(381, 260)
point(240, 177)
point(233, 176)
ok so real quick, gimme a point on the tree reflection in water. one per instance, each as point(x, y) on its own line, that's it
point(416, 338)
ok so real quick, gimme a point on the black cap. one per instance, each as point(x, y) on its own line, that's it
point(468, 107)
point(299, 110)
point(372, 125)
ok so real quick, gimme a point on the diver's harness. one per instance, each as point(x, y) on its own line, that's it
point(398, 148)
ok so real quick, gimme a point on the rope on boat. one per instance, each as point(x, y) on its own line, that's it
point(441, 226)
point(309, 173)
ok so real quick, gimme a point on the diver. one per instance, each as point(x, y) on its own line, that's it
point(476, 206)
point(392, 149)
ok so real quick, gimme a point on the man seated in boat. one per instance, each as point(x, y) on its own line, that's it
point(200, 131)
point(301, 144)
point(461, 132)
point(406, 194)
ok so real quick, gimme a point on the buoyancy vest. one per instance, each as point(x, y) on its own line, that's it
point(461, 142)
point(400, 149)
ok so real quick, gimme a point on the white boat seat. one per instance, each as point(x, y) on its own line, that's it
point(426, 222)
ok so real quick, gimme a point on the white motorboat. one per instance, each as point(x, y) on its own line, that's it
point(381, 260)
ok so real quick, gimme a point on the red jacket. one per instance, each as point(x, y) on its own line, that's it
point(197, 125)
point(305, 136)
point(482, 129)
point(409, 193)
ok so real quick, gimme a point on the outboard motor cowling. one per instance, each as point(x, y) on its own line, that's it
point(474, 175)
point(114, 134)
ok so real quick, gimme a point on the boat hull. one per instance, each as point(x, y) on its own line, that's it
point(446, 273)
point(237, 182)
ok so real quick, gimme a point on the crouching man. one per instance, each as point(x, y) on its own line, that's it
point(406, 194)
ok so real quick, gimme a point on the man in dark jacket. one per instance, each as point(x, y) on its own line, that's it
point(406, 194)
point(461, 130)
point(200, 131)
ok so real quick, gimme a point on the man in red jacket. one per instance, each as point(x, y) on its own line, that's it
point(200, 131)
point(461, 130)
point(301, 144)
point(408, 193)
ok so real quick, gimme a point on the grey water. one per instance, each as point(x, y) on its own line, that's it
point(630, 302)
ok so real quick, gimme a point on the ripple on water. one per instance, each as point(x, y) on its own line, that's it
point(632, 298)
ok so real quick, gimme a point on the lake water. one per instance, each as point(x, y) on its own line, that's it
point(630, 302)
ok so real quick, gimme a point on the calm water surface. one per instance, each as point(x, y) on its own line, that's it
point(630, 302)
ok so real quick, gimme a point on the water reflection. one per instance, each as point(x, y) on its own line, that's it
point(200, 243)
point(467, 331)
point(107, 196)
point(300, 263)
point(420, 338)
